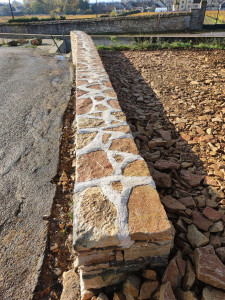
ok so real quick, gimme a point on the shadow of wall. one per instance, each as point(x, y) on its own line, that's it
point(164, 111)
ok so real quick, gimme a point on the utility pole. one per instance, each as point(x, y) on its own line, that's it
point(217, 18)
point(11, 9)
point(96, 9)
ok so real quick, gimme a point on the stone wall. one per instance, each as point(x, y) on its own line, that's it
point(120, 25)
point(197, 17)
point(119, 222)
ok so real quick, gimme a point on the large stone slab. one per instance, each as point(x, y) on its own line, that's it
point(209, 267)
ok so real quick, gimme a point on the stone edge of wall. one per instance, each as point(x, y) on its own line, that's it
point(118, 216)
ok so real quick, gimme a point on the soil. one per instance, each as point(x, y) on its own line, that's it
point(174, 104)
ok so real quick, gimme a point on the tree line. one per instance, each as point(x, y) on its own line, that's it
point(56, 6)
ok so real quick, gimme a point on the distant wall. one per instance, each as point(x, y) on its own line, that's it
point(164, 22)
point(120, 25)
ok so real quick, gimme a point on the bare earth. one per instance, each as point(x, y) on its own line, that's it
point(34, 93)
point(174, 103)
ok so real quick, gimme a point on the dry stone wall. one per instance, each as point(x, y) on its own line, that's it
point(120, 25)
point(119, 222)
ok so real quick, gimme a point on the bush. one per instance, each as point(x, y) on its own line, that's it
point(33, 19)
point(104, 16)
point(23, 20)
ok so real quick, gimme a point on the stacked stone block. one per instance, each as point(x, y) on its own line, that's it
point(120, 224)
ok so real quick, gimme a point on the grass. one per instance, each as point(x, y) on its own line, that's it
point(46, 17)
point(75, 17)
point(146, 45)
point(213, 15)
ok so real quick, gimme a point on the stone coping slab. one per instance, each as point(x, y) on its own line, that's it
point(115, 200)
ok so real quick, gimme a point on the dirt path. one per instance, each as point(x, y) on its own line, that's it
point(174, 103)
point(34, 93)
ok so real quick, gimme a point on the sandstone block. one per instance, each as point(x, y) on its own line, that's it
point(147, 289)
point(172, 205)
point(95, 221)
point(149, 274)
point(166, 292)
point(211, 214)
point(71, 286)
point(93, 165)
point(195, 237)
point(147, 218)
point(131, 286)
point(209, 268)
point(210, 293)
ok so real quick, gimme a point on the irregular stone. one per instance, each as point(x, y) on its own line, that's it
point(166, 292)
point(152, 156)
point(95, 258)
point(217, 227)
point(71, 286)
point(181, 295)
point(102, 296)
point(119, 256)
point(165, 134)
point(211, 203)
point(87, 295)
point(117, 185)
point(192, 179)
point(210, 293)
point(201, 201)
point(119, 296)
point(181, 264)
point(172, 274)
point(137, 251)
point(131, 286)
point(106, 278)
point(187, 202)
point(105, 138)
point(195, 237)
point(162, 164)
point(101, 107)
point(201, 222)
point(211, 214)
point(215, 241)
point(84, 106)
point(118, 158)
point(147, 218)
point(157, 143)
point(124, 145)
point(221, 253)
point(114, 104)
point(189, 277)
point(93, 165)
point(149, 274)
point(110, 93)
point(95, 219)
point(162, 180)
point(147, 289)
point(90, 123)
point(172, 205)
point(123, 128)
point(209, 268)
point(119, 115)
point(84, 139)
point(136, 168)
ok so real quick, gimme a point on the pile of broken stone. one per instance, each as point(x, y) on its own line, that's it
point(177, 119)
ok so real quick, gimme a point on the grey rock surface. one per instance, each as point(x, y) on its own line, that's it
point(34, 93)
